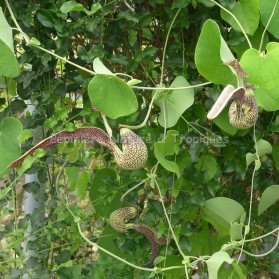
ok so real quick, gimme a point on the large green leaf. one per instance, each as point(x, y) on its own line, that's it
point(168, 147)
point(222, 212)
point(9, 66)
point(211, 53)
point(173, 103)
point(10, 130)
point(266, 8)
point(263, 68)
point(112, 96)
point(268, 198)
point(247, 13)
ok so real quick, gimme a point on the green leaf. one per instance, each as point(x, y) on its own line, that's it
point(72, 174)
point(268, 99)
point(222, 212)
point(211, 53)
point(275, 155)
point(112, 96)
point(268, 198)
point(132, 37)
point(209, 164)
point(9, 66)
point(71, 6)
point(173, 103)
point(168, 147)
point(179, 4)
point(263, 68)
point(10, 130)
point(247, 13)
point(45, 18)
point(266, 8)
point(215, 262)
point(100, 68)
point(104, 192)
point(81, 185)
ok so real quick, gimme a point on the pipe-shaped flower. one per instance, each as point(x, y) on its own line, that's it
point(132, 156)
point(243, 111)
point(118, 220)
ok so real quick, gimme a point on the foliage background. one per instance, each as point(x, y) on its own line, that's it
point(132, 42)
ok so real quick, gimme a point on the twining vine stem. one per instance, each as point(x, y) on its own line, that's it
point(236, 20)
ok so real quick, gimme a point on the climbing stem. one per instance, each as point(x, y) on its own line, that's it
point(267, 24)
point(133, 188)
point(168, 220)
point(165, 47)
point(262, 236)
point(172, 88)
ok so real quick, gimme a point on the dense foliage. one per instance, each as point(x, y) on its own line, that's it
point(209, 188)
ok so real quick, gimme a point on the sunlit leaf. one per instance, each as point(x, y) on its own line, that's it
point(211, 53)
point(112, 96)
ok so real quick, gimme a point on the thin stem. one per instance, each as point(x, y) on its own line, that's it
point(262, 236)
point(153, 99)
point(27, 39)
point(236, 20)
point(146, 117)
point(171, 88)
point(165, 47)
point(106, 124)
point(168, 220)
point(109, 253)
point(133, 188)
point(264, 254)
point(250, 213)
point(265, 29)
point(65, 60)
